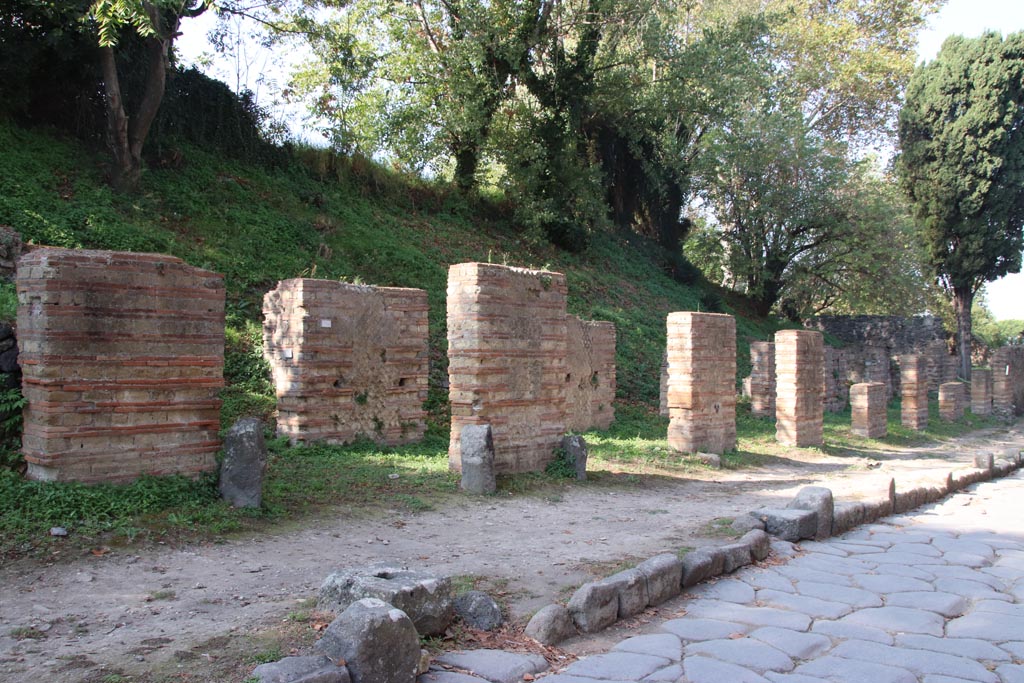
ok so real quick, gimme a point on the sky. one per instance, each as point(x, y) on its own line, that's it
point(1005, 297)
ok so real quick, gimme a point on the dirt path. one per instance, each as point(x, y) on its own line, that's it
point(141, 612)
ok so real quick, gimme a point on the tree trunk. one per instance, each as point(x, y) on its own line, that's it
point(127, 169)
point(466, 160)
point(963, 299)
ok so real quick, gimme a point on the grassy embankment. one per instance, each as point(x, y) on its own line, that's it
point(333, 218)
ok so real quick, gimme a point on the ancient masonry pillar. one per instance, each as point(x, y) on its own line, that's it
point(981, 391)
point(507, 361)
point(762, 379)
point(1008, 381)
point(914, 391)
point(591, 391)
point(868, 403)
point(951, 401)
point(701, 382)
point(799, 405)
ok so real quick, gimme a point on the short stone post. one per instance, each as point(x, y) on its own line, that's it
point(762, 379)
point(914, 391)
point(701, 382)
point(799, 383)
point(951, 401)
point(981, 391)
point(476, 444)
point(245, 461)
point(868, 409)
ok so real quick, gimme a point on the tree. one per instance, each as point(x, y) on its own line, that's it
point(961, 163)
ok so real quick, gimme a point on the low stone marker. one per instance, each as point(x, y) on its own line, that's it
point(377, 641)
point(868, 410)
point(245, 461)
point(819, 500)
point(575, 448)
point(951, 401)
point(477, 447)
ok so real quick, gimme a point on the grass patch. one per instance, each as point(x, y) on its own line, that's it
point(720, 527)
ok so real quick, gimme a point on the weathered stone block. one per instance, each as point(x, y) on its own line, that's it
point(575, 448)
point(631, 586)
point(799, 382)
point(1008, 381)
point(701, 564)
point(735, 555)
point(951, 401)
point(590, 400)
point(551, 625)
point(759, 543)
point(868, 410)
point(309, 669)
point(477, 446)
point(762, 379)
point(348, 361)
point(702, 382)
point(819, 499)
point(594, 606)
point(478, 610)
point(245, 460)
point(914, 391)
point(377, 641)
point(790, 524)
point(664, 575)
point(122, 357)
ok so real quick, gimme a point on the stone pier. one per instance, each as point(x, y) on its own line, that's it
point(762, 379)
point(981, 391)
point(951, 401)
point(348, 361)
point(914, 390)
point(1008, 381)
point(122, 357)
point(591, 391)
point(701, 382)
point(868, 405)
point(799, 407)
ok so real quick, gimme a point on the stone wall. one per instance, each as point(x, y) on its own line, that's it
point(941, 365)
point(762, 379)
point(591, 391)
point(981, 391)
point(868, 409)
point(837, 382)
point(951, 401)
point(507, 355)
point(1008, 381)
point(799, 372)
point(900, 335)
point(122, 357)
point(348, 361)
point(701, 382)
point(914, 391)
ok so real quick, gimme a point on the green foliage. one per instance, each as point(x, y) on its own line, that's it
point(8, 302)
point(11, 404)
point(991, 332)
point(560, 467)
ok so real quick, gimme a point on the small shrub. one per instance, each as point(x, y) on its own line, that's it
point(560, 467)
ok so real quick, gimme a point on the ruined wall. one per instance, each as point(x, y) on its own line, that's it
point(951, 401)
point(941, 365)
point(1008, 381)
point(914, 391)
point(762, 379)
point(122, 357)
point(868, 409)
point(981, 391)
point(348, 361)
point(507, 361)
point(799, 373)
point(591, 390)
point(701, 382)
point(837, 382)
point(898, 334)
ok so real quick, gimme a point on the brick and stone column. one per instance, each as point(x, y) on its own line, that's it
point(507, 361)
point(868, 406)
point(701, 382)
point(122, 357)
point(591, 392)
point(951, 401)
point(1008, 381)
point(799, 406)
point(762, 379)
point(981, 391)
point(348, 361)
point(914, 378)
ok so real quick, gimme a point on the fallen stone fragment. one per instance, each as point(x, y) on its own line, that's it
point(377, 641)
point(594, 606)
point(310, 669)
point(819, 499)
point(664, 575)
point(478, 610)
point(701, 564)
point(790, 524)
point(551, 625)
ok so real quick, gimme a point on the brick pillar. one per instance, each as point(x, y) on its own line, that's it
point(348, 361)
point(1008, 381)
point(868, 409)
point(951, 401)
point(981, 391)
point(122, 357)
point(507, 365)
point(762, 379)
point(701, 382)
point(591, 391)
point(914, 391)
point(799, 407)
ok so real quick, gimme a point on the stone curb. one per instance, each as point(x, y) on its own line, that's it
point(598, 604)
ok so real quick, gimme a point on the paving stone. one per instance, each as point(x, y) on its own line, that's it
point(670, 674)
point(986, 626)
point(1014, 648)
point(783, 548)
point(749, 653)
point(449, 677)
point(795, 644)
point(898, 620)
point(663, 645)
point(815, 608)
point(894, 536)
point(624, 666)
point(933, 678)
point(974, 590)
point(1000, 572)
point(920, 662)
point(1011, 673)
point(849, 566)
point(915, 549)
point(495, 665)
point(846, 631)
point(570, 678)
point(999, 607)
point(886, 583)
point(729, 590)
point(767, 578)
point(792, 678)
point(862, 537)
point(693, 629)
point(909, 559)
point(854, 549)
point(945, 604)
point(850, 670)
point(905, 570)
point(707, 670)
point(855, 597)
point(755, 616)
point(801, 574)
point(818, 547)
point(972, 574)
point(972, 648)
point(966, 559)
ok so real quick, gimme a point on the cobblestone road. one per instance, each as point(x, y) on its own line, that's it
point(936, 596)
